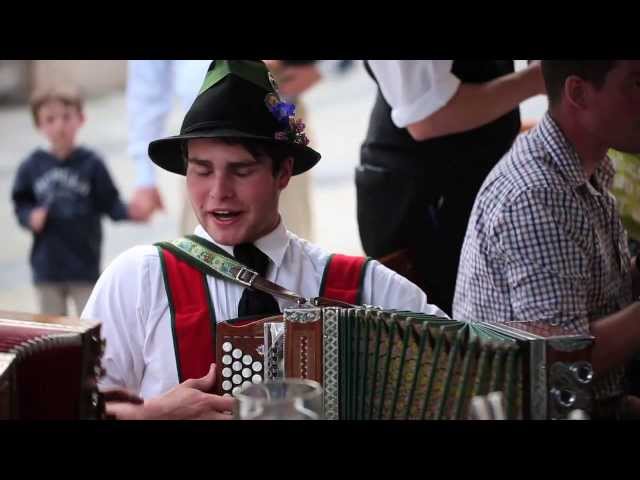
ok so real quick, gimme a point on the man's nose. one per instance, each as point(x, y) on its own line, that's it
point(221, 187)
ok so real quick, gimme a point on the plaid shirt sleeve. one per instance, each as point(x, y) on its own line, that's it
point(546, 258)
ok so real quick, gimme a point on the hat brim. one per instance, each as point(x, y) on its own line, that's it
point(167, 152)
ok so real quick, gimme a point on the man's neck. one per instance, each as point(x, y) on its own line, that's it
point(590, 151)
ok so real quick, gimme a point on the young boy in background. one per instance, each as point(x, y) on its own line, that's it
point(60, 195)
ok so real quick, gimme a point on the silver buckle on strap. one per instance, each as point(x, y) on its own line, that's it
point(246, 276)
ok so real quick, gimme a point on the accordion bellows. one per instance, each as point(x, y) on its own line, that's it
point(49, 367)
point(384, 364)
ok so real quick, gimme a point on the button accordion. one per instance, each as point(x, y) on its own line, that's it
point(387, 364)
point(49, 367)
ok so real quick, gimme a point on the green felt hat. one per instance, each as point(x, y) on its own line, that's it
point(238, 99)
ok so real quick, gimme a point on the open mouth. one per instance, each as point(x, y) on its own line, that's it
point(225, 215)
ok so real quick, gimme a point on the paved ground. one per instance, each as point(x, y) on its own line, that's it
point(338, 112)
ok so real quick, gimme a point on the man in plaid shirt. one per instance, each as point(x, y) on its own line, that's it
point(544, 240)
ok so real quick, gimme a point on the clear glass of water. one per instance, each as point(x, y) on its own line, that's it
point(287, 399)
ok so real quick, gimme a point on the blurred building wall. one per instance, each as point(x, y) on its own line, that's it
point(94, 77)
point(18, 78)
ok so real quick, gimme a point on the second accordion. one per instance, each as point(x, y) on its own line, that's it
point(387, 364)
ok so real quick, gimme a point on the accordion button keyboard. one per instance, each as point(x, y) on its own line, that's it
point(226, 359)
point(226, 347)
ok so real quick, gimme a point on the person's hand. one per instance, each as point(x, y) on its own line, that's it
point(38, 218)
point(187, 401)
point(144, 202)
point(293, 79)
point(117, 399)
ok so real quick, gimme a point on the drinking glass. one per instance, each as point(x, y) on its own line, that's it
point(286, 399)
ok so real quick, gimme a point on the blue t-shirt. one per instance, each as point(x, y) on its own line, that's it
point(76, 192)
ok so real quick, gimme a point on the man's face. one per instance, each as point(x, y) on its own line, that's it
point(234, 194)
point(59, 122)
point(613, 116)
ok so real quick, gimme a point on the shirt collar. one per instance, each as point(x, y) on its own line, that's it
point(566, 158)
point(274, 244)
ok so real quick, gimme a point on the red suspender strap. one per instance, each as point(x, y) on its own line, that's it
point(343, 277)
point(192, 316)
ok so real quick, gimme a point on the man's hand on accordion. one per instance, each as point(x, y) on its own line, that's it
point(186, 401)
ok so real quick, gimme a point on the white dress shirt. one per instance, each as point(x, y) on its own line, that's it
point(130, 301)
point(152, 88)
point(414, 89)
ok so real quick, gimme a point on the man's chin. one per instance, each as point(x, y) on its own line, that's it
point(228, 239)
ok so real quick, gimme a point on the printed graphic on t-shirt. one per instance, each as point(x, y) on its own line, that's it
point(63, 192)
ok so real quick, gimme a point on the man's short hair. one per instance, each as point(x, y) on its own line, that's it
point(556, 72)
point(277, 152)
point(67, 94)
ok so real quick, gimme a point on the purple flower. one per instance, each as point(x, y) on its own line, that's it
point(282, 111)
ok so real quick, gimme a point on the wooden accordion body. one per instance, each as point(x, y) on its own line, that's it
point(386, 364)
point(49, 367)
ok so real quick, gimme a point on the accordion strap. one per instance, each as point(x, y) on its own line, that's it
point(211, 259)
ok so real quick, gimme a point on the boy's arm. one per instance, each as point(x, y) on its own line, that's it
point(23, 197)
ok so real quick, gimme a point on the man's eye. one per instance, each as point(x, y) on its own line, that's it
point(243, 172)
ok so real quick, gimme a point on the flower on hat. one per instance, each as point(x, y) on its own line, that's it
point(284, 113)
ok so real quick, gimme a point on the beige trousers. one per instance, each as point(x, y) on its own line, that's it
point(52, 297)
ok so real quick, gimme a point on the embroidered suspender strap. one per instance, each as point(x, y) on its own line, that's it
point(343, 278)
point(193, 321)
point(210, 259)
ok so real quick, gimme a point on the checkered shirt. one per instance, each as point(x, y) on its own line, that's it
point(543, 243)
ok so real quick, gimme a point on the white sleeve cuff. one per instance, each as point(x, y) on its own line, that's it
point(433, 100)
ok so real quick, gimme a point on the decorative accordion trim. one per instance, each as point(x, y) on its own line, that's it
point(331, 363)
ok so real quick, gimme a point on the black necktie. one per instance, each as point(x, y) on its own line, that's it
point(254, 302)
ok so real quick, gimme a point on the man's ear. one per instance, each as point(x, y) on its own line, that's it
point(575, 91)
point(284, 175)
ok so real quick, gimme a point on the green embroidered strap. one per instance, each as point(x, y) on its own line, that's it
point(211, 259)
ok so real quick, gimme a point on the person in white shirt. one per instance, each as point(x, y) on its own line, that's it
point(239, 147)
point(435, 131)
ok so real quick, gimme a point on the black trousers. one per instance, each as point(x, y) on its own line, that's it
point(425, 212)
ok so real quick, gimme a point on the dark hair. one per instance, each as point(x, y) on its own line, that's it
point(276, 151)
point(555, 73)
point(67, 94)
